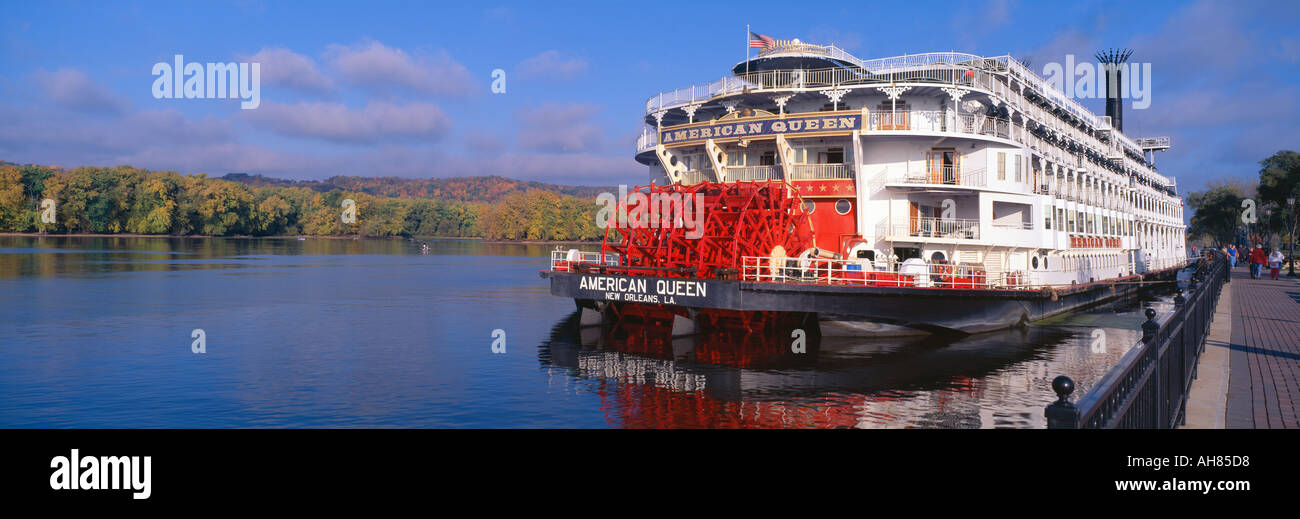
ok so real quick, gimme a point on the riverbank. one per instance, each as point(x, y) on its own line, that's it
point(539, 242)
point(201, 236)
point(296, 236)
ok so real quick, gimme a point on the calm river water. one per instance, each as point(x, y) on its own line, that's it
point(100, 332)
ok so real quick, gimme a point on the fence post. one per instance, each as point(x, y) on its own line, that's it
point(1151, 329)
point(1061, 414)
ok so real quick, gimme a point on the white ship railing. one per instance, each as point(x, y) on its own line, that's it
point(915, 273)
point(693, 177)
point(820, 171)
point(928, 59)
point(927, 227)
point(861, 272)
point(868, 273)
point(1021, 225)
point(941, 67)
point(567, 260)
point(738, 173)
point(943, 175)
point(647, 141)
point(938, 121)
point(1030, 77)
point(923, 71)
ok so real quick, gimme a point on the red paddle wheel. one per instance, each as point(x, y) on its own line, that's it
point(754, 219)
point(741, 219)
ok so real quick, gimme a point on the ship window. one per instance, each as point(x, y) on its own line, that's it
point(867, 255)
point(828, 107)
point(843, 206)
point(768, 158)
point(937, 257)
point(906, 253)
point(893, 116)
point(1002, 165)
point(1018, 175)
point(1035, 261)
point(809, 206)
point(835, 156)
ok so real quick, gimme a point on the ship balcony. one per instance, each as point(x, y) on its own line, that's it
point(1015, 225)
point(692, 177)
point(797, 172)
point(821, 172)
point(738, 173)
point(647, 141)
point(942, 68)
point(941, 176)
point(925, 228)
point(939, 122)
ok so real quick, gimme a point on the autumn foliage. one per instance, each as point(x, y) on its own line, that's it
point(128, 200)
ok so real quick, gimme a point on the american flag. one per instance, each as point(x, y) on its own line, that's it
point(759, 41)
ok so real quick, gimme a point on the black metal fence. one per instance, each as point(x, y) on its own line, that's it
point(1148, 388)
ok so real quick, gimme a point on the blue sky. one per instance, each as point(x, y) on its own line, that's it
point(403, 88)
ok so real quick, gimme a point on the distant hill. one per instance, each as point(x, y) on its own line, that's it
point(464, 189)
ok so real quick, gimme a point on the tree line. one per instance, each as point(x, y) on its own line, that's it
point(129, 200)
point(1246, 211)
point(466, 189)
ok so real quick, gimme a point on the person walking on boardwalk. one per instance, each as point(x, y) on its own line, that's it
point(1275, 263)
point(1257, 259)
point(1232, 255)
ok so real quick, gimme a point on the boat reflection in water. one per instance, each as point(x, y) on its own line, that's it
point(733, 379)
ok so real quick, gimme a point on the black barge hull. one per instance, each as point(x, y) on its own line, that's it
point(930, 309)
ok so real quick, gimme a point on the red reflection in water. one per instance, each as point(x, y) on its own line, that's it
point(645, 406)
point(741, 341)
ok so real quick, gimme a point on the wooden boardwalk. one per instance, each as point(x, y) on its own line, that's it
point(1264, 373)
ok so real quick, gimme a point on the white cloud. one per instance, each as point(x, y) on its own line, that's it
point(283, 67)
point(74, 90)
point(383, 69)
point(377, 122)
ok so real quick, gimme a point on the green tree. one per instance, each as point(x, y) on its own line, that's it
point(1217, 212)
point(273, 214)
point(1279, 180)
point(12, 199)
point(154, 207)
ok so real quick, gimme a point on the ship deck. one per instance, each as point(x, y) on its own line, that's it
point(966, 309)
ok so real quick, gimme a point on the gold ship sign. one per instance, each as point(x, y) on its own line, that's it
point(841, 122)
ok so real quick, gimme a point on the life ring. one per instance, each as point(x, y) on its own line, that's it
point(943, 274)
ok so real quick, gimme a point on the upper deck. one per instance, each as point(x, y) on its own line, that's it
point(1060, 127)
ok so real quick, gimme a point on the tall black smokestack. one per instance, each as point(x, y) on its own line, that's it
point(1112, 59)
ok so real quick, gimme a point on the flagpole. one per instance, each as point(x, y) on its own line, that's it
point(746, 49)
